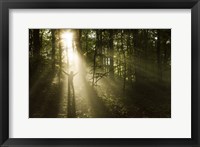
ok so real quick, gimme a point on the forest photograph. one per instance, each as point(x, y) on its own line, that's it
point(99, 73)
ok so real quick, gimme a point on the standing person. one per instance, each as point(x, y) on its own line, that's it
point(70, 80)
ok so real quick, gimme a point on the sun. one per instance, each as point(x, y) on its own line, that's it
point(67, 39)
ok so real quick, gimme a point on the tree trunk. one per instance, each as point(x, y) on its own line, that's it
point(60, 58)
point(128, 66)
point(94, 59)
point(159, 56)
point(53, 48)
point(111, 53)
point(124, 64)
point(36, 43)
point(100, 48)
point(86, 43)
point(135, 53)
point(145, 50)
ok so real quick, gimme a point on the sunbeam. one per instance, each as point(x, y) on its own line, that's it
point(70, 51)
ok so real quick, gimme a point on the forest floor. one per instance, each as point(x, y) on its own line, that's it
point(50, 97)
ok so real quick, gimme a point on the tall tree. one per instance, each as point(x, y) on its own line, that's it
point(60, 56)
point(124, 59)
point(135, 53)
point(53, 48)
point(94, 58)
point(111, 53)
point(159, 54)
point(36, 43)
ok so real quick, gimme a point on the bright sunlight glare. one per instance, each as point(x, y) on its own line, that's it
point(67, 38)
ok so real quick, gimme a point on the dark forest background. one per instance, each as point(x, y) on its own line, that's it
point(120, 73)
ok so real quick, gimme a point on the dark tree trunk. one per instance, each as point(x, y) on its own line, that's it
point(36, 43)
point(53, 48)
point(159, 55)
point(145, 50)
point(79, 42)
point(60, 58)
point(100, 48)
point(111, 53)
point(94, 59)
point(86, 43)
point(135, 54)
point(41, 39)
point(118, 58)
point(124, 64)
point(129, 53)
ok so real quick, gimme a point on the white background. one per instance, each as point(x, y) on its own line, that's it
point(179, 126)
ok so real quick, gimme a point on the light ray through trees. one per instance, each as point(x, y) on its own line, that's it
point(120, 73)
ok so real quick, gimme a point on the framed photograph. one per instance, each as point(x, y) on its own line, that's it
point(99, 73)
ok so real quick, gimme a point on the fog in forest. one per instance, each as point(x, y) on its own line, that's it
point(99, 73)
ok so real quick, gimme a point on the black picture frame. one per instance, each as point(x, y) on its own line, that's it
point(5, 5)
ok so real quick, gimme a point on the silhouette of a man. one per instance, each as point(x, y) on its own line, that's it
point(70, 80)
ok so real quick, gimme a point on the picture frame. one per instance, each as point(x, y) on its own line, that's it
point(6, 5)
